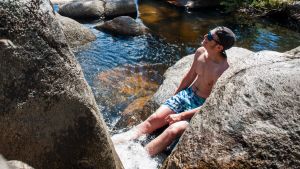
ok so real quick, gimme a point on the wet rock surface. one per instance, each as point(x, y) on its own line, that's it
point(123, 25)
point(49, 117)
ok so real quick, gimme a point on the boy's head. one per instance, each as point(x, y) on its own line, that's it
point(225, 37)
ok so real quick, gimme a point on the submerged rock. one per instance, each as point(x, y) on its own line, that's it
point(251, 119)
point(128, 89)
point(49, 118)
point(123, 25)
point(75, 32)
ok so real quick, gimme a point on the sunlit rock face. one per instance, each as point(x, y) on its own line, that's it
point(76, 34)
point(49, 118)
point(251, 119)
point(128, 89)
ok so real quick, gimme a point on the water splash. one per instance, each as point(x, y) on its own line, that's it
point(134, 156)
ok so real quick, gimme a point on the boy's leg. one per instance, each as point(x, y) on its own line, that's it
point(153, 122)
point(162, 141)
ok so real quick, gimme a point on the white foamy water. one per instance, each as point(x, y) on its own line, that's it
point(134, 156)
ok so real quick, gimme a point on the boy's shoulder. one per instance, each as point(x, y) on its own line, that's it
point(201, 50)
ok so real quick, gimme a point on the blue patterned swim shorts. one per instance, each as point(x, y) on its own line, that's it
point(184, 100)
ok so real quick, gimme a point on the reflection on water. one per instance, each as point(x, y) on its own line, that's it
point(174, 34)
point(186, 29)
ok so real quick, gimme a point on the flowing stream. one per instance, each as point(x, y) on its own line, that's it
point(121, 70)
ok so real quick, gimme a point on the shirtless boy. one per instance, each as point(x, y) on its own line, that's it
point(210, 61)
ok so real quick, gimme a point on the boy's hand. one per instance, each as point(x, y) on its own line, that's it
point(173, 118)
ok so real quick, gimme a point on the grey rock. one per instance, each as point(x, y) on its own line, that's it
point(76, 33)
point(83, 9)
point(115, 8)
point(251, 119)
point(49, 118)
point(123, 25)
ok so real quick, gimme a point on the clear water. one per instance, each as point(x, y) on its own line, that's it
point(175, 33)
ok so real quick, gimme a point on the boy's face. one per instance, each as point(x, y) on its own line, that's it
point(211, 41)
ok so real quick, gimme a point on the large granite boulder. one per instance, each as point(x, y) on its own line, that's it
point(123, 25)
point(195, 3)
point(251, 119)
point(83, 9)
point(48, 115)
point(76, 33)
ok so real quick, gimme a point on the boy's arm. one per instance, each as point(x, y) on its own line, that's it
point(191, 74)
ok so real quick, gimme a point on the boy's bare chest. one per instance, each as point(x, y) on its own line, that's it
point(204, 68)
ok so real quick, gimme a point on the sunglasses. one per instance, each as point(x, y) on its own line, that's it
point(210, 37)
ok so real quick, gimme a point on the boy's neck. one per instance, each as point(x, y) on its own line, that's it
point(215, 57)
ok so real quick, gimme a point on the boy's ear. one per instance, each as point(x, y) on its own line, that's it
point(220, 47)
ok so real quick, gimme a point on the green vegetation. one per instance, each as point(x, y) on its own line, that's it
point(260, 5)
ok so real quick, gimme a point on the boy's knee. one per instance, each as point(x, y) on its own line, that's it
point(152, 118)
point(172, 132)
